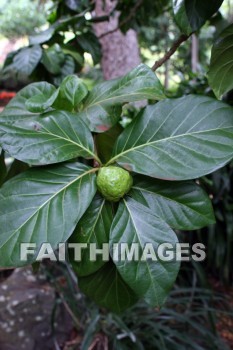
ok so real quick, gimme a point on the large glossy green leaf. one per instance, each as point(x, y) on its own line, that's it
point(16, 108)
point(100, 119)
point(190, 15)
point(61, 24)
point(41, 102)
point(221, 65)
point(42, 205)
point(94, 227)
point(26, 60)
point(178, 139)
point(183, 205)
point(53, 59)
point(135, 223)
point(108, 289)
point(70, 93)
point(68, 68)
point(53, 137)
point(100, 108)
point(42, 37)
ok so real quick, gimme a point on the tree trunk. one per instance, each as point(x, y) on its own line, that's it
point(195, 53)
point(120, 53)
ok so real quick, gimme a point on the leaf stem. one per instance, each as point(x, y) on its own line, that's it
point(112, 160)
point(97, 159)
point(92, 170)
point(170, 52)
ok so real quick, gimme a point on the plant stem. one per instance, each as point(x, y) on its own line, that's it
point(170, 52)
point(96, 158)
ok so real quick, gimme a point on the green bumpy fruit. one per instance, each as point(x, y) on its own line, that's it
point(114, 182)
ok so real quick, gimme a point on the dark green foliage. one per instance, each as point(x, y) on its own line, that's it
point(135, 14)
point(66, 134)
point(218, 239)
point(221, 65)
point(43, 125)
point(186, 321)
point(191, 15)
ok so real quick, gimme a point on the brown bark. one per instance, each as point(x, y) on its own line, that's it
point(120, 53)
point(170, 52)
point(195, 53)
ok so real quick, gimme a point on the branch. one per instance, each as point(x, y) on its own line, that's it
point(131, 14)
point(171, 52)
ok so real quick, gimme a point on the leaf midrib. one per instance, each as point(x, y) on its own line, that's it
point(147, 265)
point(162, 140)
point(67, 139)
point(47, 132)
point(92, 231)
point(116, 97)
point(141, 189)
point(120, 86)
